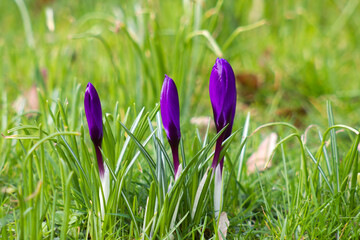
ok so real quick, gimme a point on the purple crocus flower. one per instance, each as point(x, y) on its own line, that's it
point(170, 114)
point(222, 91)
point(94, 118)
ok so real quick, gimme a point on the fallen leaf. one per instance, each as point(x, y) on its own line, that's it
point(223, 225)
point(202, 121)
point(249, 85)
point(19, 104)
point(32, 99)
point(49, 13)
point(262, 155)
point(8, 190)
point(296, 113)
point(29, 101)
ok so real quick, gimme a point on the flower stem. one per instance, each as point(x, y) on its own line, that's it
point(175, 153)
point(218, 149)
point(218, 191)
point(100, 161)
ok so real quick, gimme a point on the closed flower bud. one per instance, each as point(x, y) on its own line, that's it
point(222, 91)
point(93, 114)
point(170, 114)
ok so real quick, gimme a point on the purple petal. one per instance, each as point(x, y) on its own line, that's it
point(217, 88)
point(222, 91)
point(170, 113)
point(93, 114)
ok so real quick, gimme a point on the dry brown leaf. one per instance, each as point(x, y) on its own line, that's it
point(223, 225)
point(29, 101)
point(8, 190)
point(32, 99)
point(262, 155)
point(249, 83)
point(202, 121)
point(19, 104)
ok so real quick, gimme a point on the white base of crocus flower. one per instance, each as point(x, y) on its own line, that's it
point(174, 217)
point(218, 191)
point(199, 192)
point(105, 185)
point(178, 172)
point(172, 183)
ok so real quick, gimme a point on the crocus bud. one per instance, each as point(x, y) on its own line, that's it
point(222, 91)
point(94, 118)
point(170, 114)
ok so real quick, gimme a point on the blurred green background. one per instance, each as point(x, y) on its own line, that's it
point(288, 56)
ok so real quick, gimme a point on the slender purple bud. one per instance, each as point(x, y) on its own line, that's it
point(94, 118)
point(222, 91)
point(170, 114)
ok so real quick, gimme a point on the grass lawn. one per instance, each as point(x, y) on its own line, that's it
point(290, 165)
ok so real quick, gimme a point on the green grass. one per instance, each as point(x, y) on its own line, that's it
point(296, 66)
